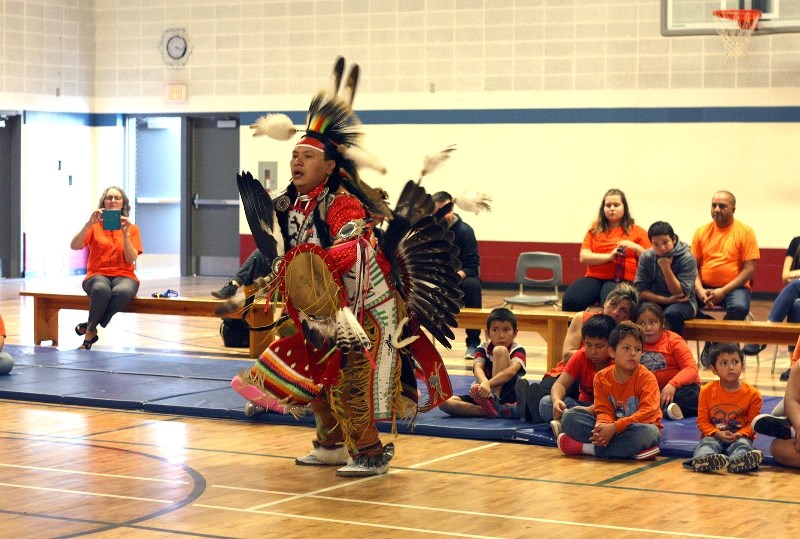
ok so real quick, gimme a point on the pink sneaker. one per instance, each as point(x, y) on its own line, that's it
point(487, 404)
point(647, 454)
point(569, 446)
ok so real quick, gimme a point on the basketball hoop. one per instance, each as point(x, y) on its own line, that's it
point(736, 26)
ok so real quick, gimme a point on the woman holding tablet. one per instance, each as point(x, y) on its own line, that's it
point(114, 244)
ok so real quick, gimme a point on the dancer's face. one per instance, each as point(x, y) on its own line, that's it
point(309, 168)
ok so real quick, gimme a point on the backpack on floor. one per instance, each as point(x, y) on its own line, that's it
point(235, 333)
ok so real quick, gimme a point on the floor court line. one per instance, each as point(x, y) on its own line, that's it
point(636, 471)
point(94, 474)
point(476, 514)
point(86, 493)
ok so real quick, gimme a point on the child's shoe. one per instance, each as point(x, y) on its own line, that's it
point(569, 446)
point(533, 396)
point(521, 391)
point(487, 404)
point(555, 425)
point(770, 425)
point(674, 411)
point(746, 463)
point(508, 410)
point(707, 463)
point(647, 454)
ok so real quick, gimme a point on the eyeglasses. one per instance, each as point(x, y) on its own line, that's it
point(113, 197)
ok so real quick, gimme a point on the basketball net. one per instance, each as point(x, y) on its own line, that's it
point(736, 27)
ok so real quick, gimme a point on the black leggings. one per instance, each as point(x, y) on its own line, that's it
point(585, 292)
point(107, 297)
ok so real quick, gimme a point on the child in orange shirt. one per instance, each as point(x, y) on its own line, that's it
point(625, 419)
point(727, 407)
point(668, 356)
point(592, 357)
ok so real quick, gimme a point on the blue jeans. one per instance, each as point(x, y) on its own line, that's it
point(546, 406)
point(711, 446)
point(578, 424)
point(787, 304)
point(736, 305)
point(6, 362)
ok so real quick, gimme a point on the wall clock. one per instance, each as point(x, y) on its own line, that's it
point(174, 46)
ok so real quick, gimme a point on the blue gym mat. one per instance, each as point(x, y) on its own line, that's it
point(197, 386)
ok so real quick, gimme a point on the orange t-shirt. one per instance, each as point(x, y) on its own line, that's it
point(671, 360)
point(106, 251)
point(605, 242)
point(718, 409)
point(721, 252)
point(796, 353)
point(635, 401)
point(2, 327)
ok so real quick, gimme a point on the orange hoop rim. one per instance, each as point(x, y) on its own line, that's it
point(745, 18)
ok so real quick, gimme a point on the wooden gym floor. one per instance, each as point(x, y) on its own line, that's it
point(69, 471)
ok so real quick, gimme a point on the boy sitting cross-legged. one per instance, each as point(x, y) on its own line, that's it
point(498, 364)
point(725, 409)
point(625, 419)
point(591, 358)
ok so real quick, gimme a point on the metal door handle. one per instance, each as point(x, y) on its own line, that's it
point(197, 201)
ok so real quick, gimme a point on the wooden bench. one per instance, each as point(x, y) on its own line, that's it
point(551, 325)
point(741, 331)
point(46, 307)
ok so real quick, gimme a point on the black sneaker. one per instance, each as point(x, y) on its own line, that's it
point(521, 391)
point(227, 291)
point(746, 463)
point(534, 394)
point(785, 375)
point(770, 425)
point(706, 463)
point(753, 349)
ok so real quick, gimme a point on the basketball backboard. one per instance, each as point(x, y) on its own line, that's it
point(694, 17)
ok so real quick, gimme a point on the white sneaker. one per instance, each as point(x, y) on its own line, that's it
point(555, 425)
point(674, 411)
point(321, 456)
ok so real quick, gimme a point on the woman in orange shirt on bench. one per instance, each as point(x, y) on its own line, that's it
point(114, 243)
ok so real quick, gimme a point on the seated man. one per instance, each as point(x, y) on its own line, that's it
point(470, 265)
point(255, 266)
point(726, 251)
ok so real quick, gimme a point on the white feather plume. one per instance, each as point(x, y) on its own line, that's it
point(434, 160)
point(362, 158)
point(275, 126)
point(474, 202)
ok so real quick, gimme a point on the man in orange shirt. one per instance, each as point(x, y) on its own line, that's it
point(726, 251)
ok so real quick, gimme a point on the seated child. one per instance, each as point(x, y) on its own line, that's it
point(581, 367)
point(498, 365)
point(668, 356)
point(619, 305)
point(727, 406)
point(625, 419)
